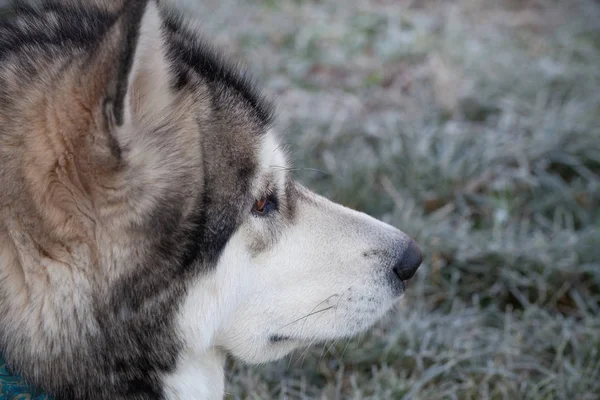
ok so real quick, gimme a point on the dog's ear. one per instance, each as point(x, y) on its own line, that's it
point(139, 88)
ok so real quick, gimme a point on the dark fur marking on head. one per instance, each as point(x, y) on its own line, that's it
point(291, 198)
point(186, 49)
point(214, 223)
point(75, 28)
point(182, 79)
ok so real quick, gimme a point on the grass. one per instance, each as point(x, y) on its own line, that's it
point(474, 126)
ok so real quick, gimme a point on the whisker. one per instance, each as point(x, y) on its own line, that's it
point(345, 347)
point(280, 146)
point(296, 169)
point(312, 341)
point(301, 329)
point(323, 350)
point(306, 316)
point(328, 350)
point(312, 312)
point(302, 357)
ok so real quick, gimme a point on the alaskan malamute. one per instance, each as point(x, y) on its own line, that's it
point(149, 224)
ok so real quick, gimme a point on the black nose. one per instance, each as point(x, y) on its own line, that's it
point(410, 261)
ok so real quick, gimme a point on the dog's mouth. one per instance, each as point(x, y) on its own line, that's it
point(279, 338)
point(282, 339)
point(399, 287)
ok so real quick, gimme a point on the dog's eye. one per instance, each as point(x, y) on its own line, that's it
point(264, 206)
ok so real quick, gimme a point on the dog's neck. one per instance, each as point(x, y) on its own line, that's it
point(198, 377)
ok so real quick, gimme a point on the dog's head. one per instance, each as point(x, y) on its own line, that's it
point(152, 173)
point(282, 266)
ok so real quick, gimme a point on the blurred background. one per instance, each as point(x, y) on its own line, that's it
point(474, 126)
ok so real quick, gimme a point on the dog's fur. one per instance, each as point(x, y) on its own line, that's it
point(134, 255)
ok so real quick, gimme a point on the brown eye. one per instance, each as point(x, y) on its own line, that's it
point(264, 206)
point(259, 206)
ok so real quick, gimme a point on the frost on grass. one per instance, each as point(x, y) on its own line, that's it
point(474, 126)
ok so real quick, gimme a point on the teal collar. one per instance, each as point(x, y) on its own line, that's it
point(13, 387)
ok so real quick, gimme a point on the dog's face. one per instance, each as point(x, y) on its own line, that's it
point(301, 269)
point(311, 270)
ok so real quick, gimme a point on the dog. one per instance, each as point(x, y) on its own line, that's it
point(150, 225)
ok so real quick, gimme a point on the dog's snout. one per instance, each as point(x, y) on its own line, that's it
point(409, 262)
